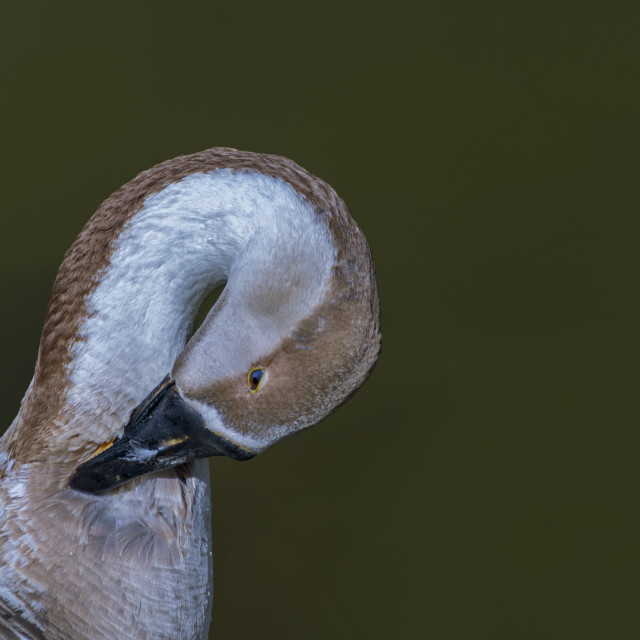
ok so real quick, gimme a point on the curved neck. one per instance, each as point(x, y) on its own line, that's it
point(184, 241)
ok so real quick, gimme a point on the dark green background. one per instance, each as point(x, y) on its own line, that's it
point(484, 482)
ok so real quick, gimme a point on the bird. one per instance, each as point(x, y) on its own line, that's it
point(105, 515)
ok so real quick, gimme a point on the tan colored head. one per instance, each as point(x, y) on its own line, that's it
point(294, 333)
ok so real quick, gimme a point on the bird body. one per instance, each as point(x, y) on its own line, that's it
point(104, 489)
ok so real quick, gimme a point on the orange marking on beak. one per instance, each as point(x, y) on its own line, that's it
point(103, 447)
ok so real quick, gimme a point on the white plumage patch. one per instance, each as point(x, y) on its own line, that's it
point(254, 231)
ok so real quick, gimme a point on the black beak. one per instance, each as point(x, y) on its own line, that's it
point(163, 432)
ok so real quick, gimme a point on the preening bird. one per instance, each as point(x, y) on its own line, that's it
point(104, 482)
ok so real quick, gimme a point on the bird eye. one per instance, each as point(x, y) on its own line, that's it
point(255, 379)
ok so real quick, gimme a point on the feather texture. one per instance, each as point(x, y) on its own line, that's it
point(136, 562)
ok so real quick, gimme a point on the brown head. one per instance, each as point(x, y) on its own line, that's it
point(294, 333)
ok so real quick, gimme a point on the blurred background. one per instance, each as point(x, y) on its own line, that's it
point(483, 483)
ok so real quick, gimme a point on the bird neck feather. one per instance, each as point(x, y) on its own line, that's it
point(128, 290)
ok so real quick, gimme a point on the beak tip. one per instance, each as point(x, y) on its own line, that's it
point(90, 482)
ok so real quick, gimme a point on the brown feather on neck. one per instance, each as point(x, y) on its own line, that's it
point(42, 429)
